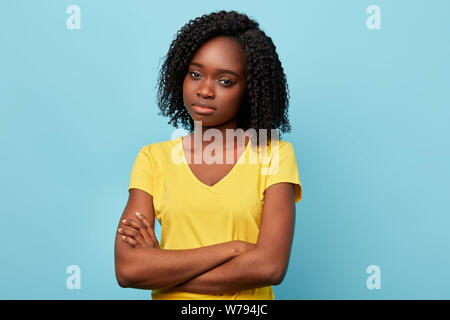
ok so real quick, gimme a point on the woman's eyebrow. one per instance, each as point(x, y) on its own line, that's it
point(219, 70)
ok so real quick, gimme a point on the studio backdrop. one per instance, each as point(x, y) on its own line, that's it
point(369, 111)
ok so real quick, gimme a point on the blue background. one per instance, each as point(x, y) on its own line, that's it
point(369, 111)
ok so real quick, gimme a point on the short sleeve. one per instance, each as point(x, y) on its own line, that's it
point(141, 173)
point(283, 168)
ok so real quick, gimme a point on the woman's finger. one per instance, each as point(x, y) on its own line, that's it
point(143, 219)
point(129, 240)
point(141, 228)
point(138, 226)
point(131, 233)
point(149, 228)
point(131, 223)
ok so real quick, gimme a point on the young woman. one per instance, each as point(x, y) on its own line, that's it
point(226, 226)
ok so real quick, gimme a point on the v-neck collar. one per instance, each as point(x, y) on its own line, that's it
point(218, 183)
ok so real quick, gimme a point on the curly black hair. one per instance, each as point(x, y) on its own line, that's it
point(266, 98)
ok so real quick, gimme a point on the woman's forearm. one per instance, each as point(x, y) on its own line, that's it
point(153, 268)
point(247, 271)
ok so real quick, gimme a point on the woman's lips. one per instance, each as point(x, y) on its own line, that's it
point(203, 110)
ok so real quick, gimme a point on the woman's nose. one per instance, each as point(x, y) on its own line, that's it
point(205, 89)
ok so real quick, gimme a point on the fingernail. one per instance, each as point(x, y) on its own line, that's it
point(138, 214)
point(123, 237)
point(120, 229)
point(124, 220)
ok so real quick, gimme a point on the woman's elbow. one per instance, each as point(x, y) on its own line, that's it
point(124, 276)
point(274, 269)
point(277, 274)
point(122, 281)
point(131, 277)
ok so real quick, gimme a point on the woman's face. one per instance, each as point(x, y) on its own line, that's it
point(216, 78)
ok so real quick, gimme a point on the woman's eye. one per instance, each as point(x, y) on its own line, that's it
point(227, 82)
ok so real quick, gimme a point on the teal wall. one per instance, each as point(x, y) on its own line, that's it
point(369, 111)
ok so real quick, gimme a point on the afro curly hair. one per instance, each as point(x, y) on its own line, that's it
point(266, 98)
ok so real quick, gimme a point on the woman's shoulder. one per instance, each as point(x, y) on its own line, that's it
point(158, 150)
point(274, 145)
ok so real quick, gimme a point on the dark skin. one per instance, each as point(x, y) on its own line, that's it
point(207, 85)
point(216, 77)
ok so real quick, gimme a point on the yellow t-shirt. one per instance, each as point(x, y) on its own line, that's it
point(193, 214)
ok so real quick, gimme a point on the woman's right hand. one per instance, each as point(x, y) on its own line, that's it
point(140, 234)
